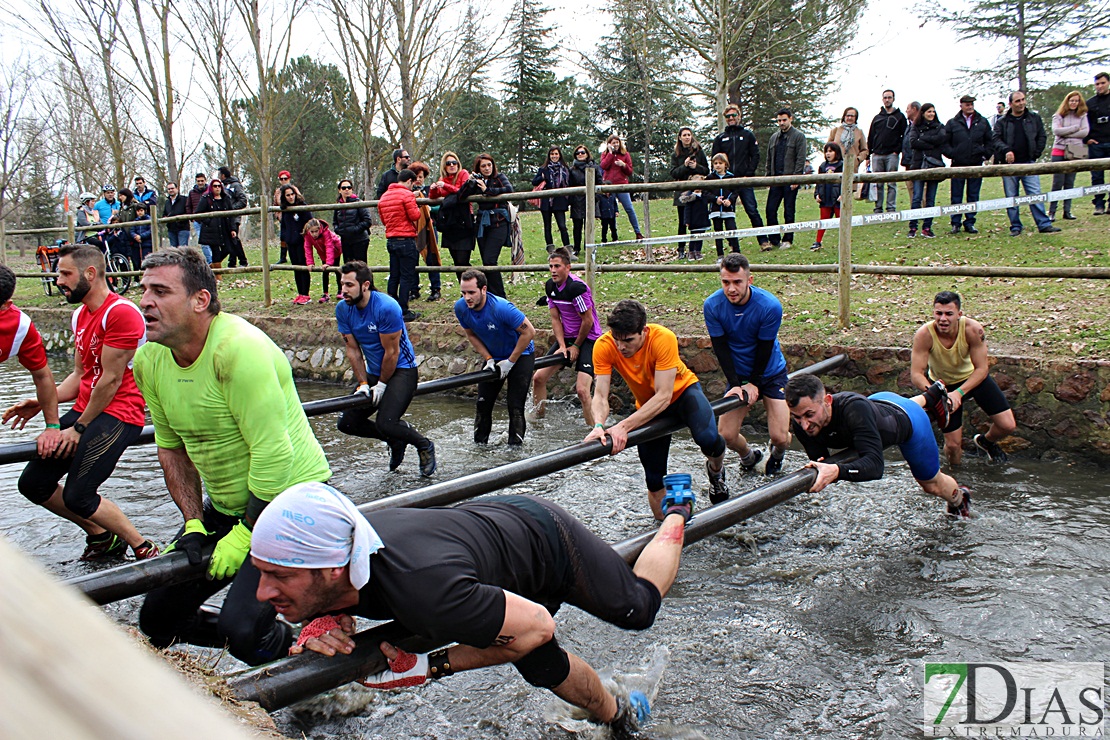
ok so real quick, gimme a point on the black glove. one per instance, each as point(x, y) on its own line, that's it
point(191, 541)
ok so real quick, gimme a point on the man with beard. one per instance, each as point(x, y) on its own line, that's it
point(384, 364)
point(226, 416)
point(107, 414)
point(743, 323)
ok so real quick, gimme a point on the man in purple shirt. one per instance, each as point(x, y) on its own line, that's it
point(573, 316)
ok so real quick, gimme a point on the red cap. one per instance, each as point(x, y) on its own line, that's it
point(284, 173)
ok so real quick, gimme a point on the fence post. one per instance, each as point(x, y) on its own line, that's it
point(844, 250)
point(591, 224)
point(264, 229)
point(71, 227)
point(649, 253)
point(155, 236)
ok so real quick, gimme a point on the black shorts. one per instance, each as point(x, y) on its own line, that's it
point(989, 397)
point(92, 462)
point(585, 361)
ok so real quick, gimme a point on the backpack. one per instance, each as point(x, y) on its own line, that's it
point(454, 216)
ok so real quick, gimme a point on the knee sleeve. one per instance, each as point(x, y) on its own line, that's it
point(546, 667)
point(717, 448)
point(36, 489)
point(255, 637)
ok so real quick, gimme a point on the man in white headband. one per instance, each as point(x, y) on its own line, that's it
point(487, 574)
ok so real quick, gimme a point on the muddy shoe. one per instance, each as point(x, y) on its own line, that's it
point(774, 464)
point(396, 455)
point(101, 546)
point(632, 712)
point(937, 403)
point(963, 510)
point(718, 489)
point(145, 551)
point(994, 452)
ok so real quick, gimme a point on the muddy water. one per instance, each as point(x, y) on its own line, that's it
point(811, 620)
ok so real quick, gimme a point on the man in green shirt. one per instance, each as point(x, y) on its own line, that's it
point(226, 414)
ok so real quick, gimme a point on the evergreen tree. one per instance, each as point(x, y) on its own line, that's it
point(529, 126)
point(1042, 38)
point(40, 205)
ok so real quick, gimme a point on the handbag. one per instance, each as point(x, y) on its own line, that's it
point(535, 202)
point(1075, 151)
point(933, 162)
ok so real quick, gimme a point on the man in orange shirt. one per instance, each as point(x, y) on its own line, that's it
point(646, 356)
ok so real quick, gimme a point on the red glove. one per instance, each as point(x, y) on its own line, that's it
point(317, 627)
point(406, 669)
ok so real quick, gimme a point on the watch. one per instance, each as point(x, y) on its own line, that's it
point(79, 428)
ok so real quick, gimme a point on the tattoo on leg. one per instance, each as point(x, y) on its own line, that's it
point(503, 640)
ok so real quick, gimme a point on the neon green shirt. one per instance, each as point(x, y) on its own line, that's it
point(236, 412)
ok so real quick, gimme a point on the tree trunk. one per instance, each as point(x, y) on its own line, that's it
point(1023, 72)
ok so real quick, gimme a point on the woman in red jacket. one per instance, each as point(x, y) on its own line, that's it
point(616, 167)
point(454, 219)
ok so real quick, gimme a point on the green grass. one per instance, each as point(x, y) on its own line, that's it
point(1038, 317)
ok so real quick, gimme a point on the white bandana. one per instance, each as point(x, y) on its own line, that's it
point(312, 525)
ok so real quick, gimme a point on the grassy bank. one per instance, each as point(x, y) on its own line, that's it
point(1039, 317)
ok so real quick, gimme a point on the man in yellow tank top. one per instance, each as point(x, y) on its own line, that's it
point(953, 348)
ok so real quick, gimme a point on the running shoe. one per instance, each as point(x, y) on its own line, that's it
point(428, 460)
point(301, 300)
point(994, 452)
point(679, 497)
point(774, 464)
point(912, 233)
point(107, 545)
point(145, 551)
point(718, 489)
point(396, 455)
point(963, 511)
point(927, 233)
point(753, 458)
point(324, 298)
point(937, 404)
point(632, 712)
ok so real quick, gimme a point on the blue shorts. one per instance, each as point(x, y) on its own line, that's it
point(774, 387)
point(692, 409)
point(920, 450)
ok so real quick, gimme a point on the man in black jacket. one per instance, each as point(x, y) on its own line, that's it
point(401, 160)
point(969, 138)
point(177, 231)
point(1098, 140)
point(742, 150)
point(786, 155)
point(1019, 138)
point(884, 140)
point(237, 197)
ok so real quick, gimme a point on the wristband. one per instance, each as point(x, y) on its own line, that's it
point(438, 664)
point(599, 426)
point(53, 426)
point(960, 391)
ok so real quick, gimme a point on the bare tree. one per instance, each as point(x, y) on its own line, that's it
point(21, 131)
point(362, 51)
point(209, 31)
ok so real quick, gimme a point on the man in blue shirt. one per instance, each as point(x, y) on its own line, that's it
point(384, 364)
point(107, 205)
point(743, 323)
point(502, 335)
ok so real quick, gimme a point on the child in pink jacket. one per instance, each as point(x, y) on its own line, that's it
point(319, 237)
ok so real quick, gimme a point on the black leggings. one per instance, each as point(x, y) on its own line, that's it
point(579, 225)
point(681, 227)
point(388, 427)
point(354, 248)
point(296, 256)
point(610, 225)
point(248, 627)
point(520, 381)
point(459, 246)
point(561, 220)
point(493, 239)
point(727, 223)
point(96, 456)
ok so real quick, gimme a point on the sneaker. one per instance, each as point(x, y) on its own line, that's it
point(815, 247)
point(428, 460)
point(324, 298)
point(766, 246)
point(632, 712)
point(1051, 217)
point(989, 446)
point(1099, 211)
point(969, 228)
point(396, 455)
point(681, 254)
point(1050, 230)
point(410, 315)
point(963, 511)
point(754, 456)
point(718, 489)
point(786, 245)
point(764, 243)
point(937, 403)
point(927, 233)
point(433, 297)
point(107, 545)
point(912, 234)
point(679, 497)
point(301, 300)
point(774, 464)
point(146, 551)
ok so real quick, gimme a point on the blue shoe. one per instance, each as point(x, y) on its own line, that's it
point(428, 460)
point(679, 498)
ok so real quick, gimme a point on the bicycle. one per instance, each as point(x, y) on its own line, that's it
point(47, 257)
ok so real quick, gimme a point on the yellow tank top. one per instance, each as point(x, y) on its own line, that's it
point(950, 365)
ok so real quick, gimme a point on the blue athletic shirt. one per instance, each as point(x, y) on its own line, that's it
point(382, 315)
point(495, 325)
point(758, 319)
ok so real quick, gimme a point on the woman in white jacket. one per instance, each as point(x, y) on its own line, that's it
point(1071, 127)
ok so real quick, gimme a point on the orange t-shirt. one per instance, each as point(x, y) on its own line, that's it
point(659, 352)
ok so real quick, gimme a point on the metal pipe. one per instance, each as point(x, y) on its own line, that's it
point(287, 681)
point(136, 578)
point(25, 451)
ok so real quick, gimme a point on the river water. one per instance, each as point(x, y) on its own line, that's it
point(811, 620)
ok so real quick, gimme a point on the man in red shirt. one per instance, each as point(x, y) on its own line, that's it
point(400, 215)
point(19, 338)
point(107, 414)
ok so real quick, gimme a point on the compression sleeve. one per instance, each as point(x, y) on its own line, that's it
point(860, 423)
point(724, 359)
point(763, 349)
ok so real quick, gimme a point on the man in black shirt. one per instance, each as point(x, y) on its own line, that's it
point(1019, 138)
point(487, 574)
point(1098, 140)
point(868, 425)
